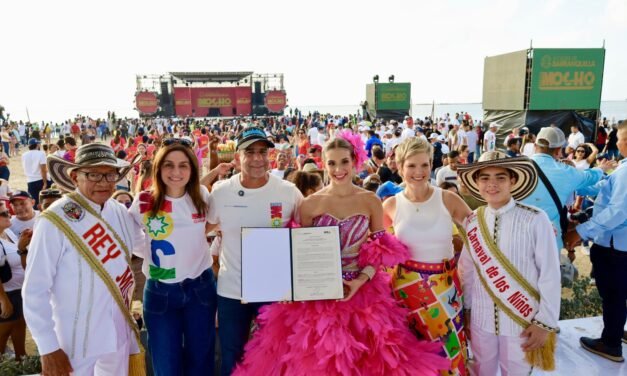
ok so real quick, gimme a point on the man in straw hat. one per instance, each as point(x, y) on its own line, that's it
point(509, 270)
point(78, 283)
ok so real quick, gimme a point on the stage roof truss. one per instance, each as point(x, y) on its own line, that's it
point(211, 76)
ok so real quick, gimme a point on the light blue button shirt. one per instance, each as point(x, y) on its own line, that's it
point(565, 180)
point(609, 215)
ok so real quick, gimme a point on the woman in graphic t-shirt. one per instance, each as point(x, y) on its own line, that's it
point(180, 292)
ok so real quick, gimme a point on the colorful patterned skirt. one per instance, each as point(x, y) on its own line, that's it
point(433, 294)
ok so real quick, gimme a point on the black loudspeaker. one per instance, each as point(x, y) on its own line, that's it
point(257, 87)
point(165, 101)
point(165, 94)
point(258, 99)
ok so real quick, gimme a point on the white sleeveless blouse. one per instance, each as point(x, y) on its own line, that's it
point(425, 227)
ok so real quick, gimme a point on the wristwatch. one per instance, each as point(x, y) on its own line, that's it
point(22, 253)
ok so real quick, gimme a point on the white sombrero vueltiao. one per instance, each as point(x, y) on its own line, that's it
point(86, 156)
point(522, 167)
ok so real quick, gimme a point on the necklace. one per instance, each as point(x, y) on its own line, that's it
point(416, 202)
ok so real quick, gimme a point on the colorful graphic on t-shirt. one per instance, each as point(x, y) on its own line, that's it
point(158, 227)
point(276, 214)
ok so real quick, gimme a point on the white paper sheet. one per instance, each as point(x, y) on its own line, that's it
point(266, 269)
point(316, 263)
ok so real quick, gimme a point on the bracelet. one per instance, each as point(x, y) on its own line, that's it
point(368, 271)
point(377, 234)
point(571, 251)
point(543, 326)
point(22, 253)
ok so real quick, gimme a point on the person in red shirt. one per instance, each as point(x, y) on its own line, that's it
point(302, 142)
point(315, 153)
point(70, 149)
point(196, 132)
point(131, 150)
point(143, 150)
point(150, 150)
point(75, 129)
point(203, 143)
point(118, 142)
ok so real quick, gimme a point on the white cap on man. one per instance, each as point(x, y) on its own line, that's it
point(551, 137)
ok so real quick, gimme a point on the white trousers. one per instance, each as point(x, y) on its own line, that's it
point(111, 364)
point(492, 352)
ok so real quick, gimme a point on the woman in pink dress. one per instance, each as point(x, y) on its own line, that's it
point(365, 333)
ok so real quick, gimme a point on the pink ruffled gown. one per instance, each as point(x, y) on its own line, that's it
point(367, 335)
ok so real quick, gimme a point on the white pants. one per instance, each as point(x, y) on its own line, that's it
point(492, 352)
point(111, 364)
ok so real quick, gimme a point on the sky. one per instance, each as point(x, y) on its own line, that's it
point(60, 58)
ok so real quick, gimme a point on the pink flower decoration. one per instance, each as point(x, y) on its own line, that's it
point(358, 146)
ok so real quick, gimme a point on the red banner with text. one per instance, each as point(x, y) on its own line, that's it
point(276, 100)
point(204, 102)
point(147, 102)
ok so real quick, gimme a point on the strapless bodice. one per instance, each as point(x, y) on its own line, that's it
point(353, 232)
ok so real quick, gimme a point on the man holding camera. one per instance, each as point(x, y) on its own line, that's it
point(607, 229)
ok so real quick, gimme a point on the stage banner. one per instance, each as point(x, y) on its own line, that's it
point(210, 102)
point(182, 101)
point(504, 81)
point(243, 98)
point(393, 96)
point(147, 102)
point(566, 79)
point(276, 101)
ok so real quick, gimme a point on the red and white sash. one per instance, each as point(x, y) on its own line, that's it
point(509, 290)
point(99, 244)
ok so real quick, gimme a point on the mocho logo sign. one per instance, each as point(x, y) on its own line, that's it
point(566, 79)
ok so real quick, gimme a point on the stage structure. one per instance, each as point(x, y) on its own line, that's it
point(391, 100)
point(538, 87)
point(210, 94)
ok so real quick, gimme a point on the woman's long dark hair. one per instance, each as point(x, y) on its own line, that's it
point(193, 185)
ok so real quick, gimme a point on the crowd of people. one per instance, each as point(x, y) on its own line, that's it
point(450, 237)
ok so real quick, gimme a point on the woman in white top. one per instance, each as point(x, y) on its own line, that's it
point(13, 252)
point(180, 293)
point(585, 155)
point(423, 217)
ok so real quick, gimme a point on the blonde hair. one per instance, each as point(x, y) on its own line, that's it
point(410, 147)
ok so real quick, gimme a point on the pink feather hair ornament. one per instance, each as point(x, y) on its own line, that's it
point(359, 148)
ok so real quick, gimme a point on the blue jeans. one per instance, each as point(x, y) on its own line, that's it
point(5, 173)
point(234, 321)
point(6, 145)
point(613, 153)
point(34, 187)
point(180, 320)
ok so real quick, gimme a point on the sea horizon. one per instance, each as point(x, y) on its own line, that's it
point(614, 110)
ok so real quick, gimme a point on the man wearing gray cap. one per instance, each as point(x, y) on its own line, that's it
point(562, 178)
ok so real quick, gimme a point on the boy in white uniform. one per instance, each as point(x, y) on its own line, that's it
point(509, 270)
